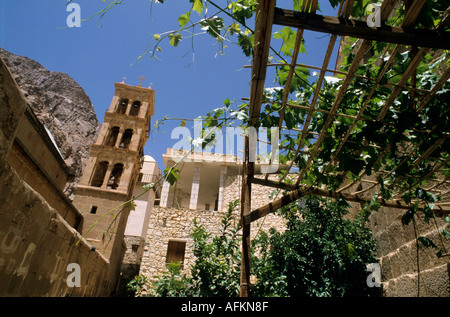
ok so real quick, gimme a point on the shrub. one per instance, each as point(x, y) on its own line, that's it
point(320, 253)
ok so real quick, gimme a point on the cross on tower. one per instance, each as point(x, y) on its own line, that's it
point(142, 78)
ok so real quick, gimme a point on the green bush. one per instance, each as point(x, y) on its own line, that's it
point(320, 253)
point(216, 270)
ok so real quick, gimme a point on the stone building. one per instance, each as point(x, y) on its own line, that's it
point(113, 168)
point(207, 184)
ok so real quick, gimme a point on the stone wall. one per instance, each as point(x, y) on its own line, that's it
point(33, 175)
point(131, 263)
point(105, 202)
point(171, 223)
point(167, 223)
point(404, 271)
point(261, 195)
point(36, 243)
point(401, 265)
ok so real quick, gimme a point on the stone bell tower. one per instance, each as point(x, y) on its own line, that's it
point(113, 168)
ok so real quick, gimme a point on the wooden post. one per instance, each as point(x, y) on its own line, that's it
point(263, 33)
point(247, 173)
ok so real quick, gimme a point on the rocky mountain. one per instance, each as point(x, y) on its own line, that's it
point(62, 106)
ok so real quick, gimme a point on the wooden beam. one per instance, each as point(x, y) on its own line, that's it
point(298, 192)
point(314, 100)
point(359, 29)
point(277, 204)
point(412, 12)
point(387, 84)
point(263, 33)
point(271, 183)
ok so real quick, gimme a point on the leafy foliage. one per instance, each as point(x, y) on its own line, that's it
point(172, 283)
point(137, 285)
point(426, 214)
point(321, 253)
point(232, 30)
point(216, 268)
point(171, 175)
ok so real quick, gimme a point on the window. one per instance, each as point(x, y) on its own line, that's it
point(99, 174)
point(122, 107)
point(126, 139)
point(93, 210)
point(111, 139)
point(135, 108)
point(135, 247)
point(116, 173)
point(175, 252)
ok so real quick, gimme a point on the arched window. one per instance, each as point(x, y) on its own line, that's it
point(116, 173)
point(99, 174)
point(135, 108)
point(126, 139)
point(122, 107)
point(111, 139)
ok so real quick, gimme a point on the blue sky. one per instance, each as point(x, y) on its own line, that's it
point(187, 83)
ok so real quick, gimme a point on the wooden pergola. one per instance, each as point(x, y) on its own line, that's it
point(422, 40)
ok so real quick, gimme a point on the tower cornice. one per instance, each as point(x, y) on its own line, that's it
point(139, 89)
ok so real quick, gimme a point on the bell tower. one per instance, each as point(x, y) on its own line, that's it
point(113, 168)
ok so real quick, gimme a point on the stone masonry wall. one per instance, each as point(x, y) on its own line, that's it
point(36, 243)
point(168, 223)
point(397, 251)
point(401, 264)
point(260, 197)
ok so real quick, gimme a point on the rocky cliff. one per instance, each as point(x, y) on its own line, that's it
point(62, 106)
